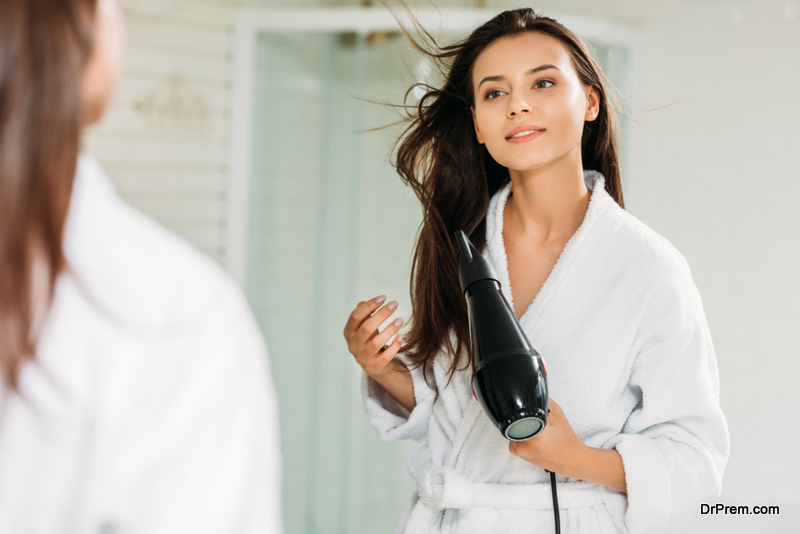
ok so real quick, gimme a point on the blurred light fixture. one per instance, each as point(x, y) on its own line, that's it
point(377, 38)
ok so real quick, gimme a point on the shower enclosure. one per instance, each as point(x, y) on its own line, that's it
point(319, 220)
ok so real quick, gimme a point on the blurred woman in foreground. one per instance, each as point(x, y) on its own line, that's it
point(135, 392)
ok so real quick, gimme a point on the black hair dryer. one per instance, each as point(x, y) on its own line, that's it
point(510, 379)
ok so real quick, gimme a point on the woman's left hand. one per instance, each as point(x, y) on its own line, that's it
point(556, 448)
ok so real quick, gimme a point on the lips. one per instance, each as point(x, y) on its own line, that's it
point(523, 130)
point(523, 134)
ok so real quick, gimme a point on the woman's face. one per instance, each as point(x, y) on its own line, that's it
point(530, 105)
point(102, 70)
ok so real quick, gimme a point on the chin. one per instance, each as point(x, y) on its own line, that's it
point(93, 111)
point(525, 164)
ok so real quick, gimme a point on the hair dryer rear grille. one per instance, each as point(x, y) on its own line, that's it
point(524, 429)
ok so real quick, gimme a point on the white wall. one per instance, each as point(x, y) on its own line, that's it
point(165, 138)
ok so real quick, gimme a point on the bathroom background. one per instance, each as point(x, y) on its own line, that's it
point(253, 153)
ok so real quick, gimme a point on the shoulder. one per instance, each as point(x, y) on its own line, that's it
point(654, 274)
point(640, 247)
point(134, 268)
point(629, 256)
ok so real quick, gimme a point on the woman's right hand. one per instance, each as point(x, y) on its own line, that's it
point(366, 343)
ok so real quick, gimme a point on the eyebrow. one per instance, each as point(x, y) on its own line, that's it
point(530, 71)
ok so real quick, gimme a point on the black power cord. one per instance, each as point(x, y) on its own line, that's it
point(556, 513)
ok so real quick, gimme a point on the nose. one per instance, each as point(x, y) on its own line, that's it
point(518, 104)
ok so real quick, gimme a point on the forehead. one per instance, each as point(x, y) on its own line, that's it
point(507, 56)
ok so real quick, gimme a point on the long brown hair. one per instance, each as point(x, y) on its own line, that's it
point(44, 47)
point(454, 176)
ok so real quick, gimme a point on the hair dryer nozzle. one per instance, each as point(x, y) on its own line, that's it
point(471, 265)
point(464, 244)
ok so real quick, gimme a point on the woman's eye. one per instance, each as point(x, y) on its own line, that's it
point(491, 95)
point(543, 84)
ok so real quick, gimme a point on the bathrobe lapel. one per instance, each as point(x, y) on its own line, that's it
point(569, 259)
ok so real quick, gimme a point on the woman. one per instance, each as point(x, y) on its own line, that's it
point(519, 149)
point(136, 395)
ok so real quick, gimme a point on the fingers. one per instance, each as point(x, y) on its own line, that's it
point(365, 342)
point(378, 363)
point(362, 311)
point(366, 332)
point(378, 341)
point(368, 341)
point(373, 322)
point(512, 448)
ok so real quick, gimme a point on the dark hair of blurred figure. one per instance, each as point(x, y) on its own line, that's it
point(454, 176)
point(45, 46)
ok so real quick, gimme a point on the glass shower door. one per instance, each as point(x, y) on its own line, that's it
point(330, 224)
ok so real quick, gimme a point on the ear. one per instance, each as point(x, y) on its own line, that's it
point(475, 123)
point(592, 103)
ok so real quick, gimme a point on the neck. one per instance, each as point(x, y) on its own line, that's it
point(548, 204)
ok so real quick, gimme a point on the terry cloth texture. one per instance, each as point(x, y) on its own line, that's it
point(621, 326)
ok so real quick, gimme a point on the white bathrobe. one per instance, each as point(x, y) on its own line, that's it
point(149, 408)
point(621, 327)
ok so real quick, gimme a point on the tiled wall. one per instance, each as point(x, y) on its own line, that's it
point(165, 138)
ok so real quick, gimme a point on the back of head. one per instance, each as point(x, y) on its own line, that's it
point(44, 48)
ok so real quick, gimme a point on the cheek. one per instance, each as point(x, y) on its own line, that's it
point(97, 87)
point(493, 125)
point(486, 127)
point(483, 118)
point(101, 73)
point(110, 37)
point(566, 115)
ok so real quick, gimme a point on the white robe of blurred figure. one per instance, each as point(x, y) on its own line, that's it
point(149, 407)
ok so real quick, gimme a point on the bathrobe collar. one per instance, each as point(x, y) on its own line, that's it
point(600, 203)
